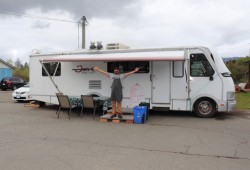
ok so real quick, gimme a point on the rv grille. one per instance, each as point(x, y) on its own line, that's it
point(95, 84)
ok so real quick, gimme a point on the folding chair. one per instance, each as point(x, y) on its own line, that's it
point(88, 102)
point(64, 103)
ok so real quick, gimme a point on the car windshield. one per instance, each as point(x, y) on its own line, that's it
point(6, 79)
point(17, 79)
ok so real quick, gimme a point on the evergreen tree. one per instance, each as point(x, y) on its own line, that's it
point(18, 63)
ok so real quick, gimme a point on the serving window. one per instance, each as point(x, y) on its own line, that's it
point(127, 66)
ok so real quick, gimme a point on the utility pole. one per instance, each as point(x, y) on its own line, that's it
point(84, 22)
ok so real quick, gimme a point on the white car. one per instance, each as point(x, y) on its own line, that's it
point(22, 94)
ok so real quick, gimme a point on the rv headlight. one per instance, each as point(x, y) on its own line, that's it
point(230, 95)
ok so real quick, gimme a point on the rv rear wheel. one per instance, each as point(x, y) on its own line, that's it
point(204, 108)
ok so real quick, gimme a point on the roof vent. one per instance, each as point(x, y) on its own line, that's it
point(99, 45)
point(92, 46)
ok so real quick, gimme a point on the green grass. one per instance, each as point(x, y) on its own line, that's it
point(243, 100)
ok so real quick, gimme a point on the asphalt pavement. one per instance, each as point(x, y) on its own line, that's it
point(33, 138)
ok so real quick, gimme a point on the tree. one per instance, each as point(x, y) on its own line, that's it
point(18, 63)
point(9, 61)
point(22, 73)
point(26, 65)
point(238, 69)
point(21, 70)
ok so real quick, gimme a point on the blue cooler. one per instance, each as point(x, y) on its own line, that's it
point(140, 114)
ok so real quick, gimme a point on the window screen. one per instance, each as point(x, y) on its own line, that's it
point(51, 67)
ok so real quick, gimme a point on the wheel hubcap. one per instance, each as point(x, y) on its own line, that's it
point(205, 107)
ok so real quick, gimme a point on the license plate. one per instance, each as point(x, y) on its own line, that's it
point(3, 84)
point(18, 96)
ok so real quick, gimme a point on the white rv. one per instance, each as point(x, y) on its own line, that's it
point(181, 78)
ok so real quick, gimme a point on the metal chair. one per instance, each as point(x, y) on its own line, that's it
point(64, 103)
point(88, 102)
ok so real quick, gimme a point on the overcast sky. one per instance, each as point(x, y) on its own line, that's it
point(221, 25)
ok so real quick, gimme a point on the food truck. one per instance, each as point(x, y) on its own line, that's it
point(175, 78)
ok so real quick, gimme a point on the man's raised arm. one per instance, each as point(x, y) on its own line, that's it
point(132, 72)
point(101, 71)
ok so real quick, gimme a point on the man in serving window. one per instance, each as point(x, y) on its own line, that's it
point(116, 89)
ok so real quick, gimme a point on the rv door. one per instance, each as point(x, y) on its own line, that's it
point(160, 82)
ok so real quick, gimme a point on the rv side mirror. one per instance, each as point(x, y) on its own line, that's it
point(210, 73)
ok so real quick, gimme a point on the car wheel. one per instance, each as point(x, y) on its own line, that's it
point(204, 108)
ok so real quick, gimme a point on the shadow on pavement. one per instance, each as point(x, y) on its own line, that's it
point(220, 116)
point(244, 114)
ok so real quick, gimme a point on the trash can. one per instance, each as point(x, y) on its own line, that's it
point(148, 106)
point(140, 114)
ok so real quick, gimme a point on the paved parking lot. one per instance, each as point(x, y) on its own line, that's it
point(33, 138)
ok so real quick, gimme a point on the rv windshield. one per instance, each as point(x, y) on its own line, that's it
point(220, 65)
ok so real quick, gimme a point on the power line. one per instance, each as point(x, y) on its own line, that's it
point(36, 17)
point(81, 21)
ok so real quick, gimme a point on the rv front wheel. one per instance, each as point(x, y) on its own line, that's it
point(204, 108)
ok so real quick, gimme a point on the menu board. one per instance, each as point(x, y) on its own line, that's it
point(136, 95)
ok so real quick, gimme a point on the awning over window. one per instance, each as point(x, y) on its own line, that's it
point(131, 56)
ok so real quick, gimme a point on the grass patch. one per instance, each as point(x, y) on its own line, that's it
point(243, 100)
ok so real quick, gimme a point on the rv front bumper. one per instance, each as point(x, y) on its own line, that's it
point(231, 105)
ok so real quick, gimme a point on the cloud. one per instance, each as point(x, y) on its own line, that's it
point(19, 35)
point(219, 24)
point(90, 8)
point(41, 25)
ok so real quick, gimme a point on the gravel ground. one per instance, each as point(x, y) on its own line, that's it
point(33, 138)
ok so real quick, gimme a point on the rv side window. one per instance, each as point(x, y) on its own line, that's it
point(127, 66)
point(200, 67)
point(51, 68)
point(178, 69)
